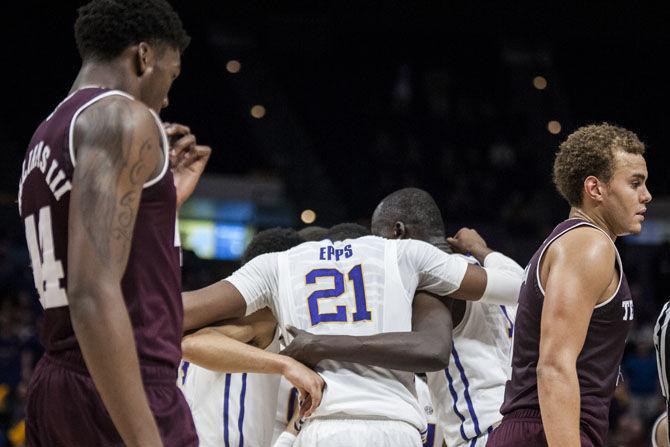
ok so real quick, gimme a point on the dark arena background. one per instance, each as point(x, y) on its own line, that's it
point(317, 110)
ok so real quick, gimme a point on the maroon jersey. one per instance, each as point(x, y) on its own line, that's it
point(152, 281)
point(597, 364)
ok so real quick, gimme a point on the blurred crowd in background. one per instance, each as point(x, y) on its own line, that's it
point(341, 104)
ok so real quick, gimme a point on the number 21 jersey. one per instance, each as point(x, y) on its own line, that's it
point(358, 287)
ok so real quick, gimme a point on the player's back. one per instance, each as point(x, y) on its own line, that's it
point(152, 281)
point(352, 287)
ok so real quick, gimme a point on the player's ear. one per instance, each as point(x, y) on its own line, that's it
point(593, 188)
point(399, 231)
point(144, 58)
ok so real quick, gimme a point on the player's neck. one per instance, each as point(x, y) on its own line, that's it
point(594, 218)
point(103, 75)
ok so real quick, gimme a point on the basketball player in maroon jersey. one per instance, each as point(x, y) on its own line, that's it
point(99, 206)
point(575, 307)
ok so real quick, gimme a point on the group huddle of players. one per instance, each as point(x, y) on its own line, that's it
point(390, 336)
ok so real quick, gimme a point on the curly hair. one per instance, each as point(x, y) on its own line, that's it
point(590, 151)
point(104, 28)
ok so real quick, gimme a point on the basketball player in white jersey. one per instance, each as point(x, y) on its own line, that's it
point(467, 395)
point(360, 287)
point(238, 408)
point(220, 349)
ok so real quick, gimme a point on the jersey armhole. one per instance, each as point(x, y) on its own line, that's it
point(552, 240)
point(161, 131)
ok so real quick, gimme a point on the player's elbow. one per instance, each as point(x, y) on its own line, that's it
point(437, 357)
point(88, 301)
point(188, 346)
point(554, 369)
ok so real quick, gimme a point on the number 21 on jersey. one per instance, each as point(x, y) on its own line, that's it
point(355, 275)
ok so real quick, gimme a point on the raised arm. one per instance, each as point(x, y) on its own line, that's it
point(497, 282)
point(117, 149)
point(426, 348)
point(576, 270)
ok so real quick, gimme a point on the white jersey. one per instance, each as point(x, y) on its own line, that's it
point(287, 402)
point(434, 432)
point(362, 286)
point(468, 394)
point(232, 409)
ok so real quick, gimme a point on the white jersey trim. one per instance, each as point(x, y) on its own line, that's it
point(579, 224)
point(164, 141)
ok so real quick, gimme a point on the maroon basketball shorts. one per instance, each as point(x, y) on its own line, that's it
point(64, 409)
point(523, 428)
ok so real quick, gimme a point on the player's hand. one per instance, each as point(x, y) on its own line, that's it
point(302, 347)
point(468, 241)
point(295, 423)
point(187, 159)
point(308, 383)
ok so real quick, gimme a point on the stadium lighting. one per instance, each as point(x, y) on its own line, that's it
point(233, 66)
point(258, 111)
point(539, 82)
point(308, 216)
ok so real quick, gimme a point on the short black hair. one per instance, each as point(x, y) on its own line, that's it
point(414, 207)
point(347, 230)
point(313, 233)
point(271, 241)
point(104, 28)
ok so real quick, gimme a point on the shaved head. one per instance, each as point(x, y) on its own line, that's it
point(415, 209)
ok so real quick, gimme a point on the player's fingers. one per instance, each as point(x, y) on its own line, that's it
point(172, 129)
point(306, 406)
point(316, 396)
point(202, 151)
point(184, 143)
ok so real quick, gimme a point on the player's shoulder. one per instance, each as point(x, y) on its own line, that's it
point(118, 113)
point(585, 242)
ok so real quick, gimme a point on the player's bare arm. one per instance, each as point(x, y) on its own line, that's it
point(500, 279)
point(187, 159)
point(577, 272)
point(118, 149)
point(234, 347)
point(426, 348)
point(216, 302)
